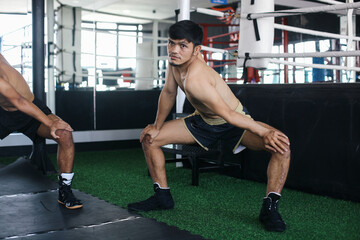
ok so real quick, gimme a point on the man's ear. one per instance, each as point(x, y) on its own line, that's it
point(197, 50)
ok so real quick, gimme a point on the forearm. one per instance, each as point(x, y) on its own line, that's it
point(32, 110)
point(165, 104)
point(244, 122)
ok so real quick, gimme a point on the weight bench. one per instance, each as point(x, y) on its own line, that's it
point(199, 158)
point(196, 155)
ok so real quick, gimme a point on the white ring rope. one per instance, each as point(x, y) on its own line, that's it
point(330, 1)
point(109, 77)
point(304, 55)
point(210, 49)
point(313, 32)
point(125, 72)
point(210, 12)
point(109, 56)
point(112, 32)
point(299, 11)
point(322, 66)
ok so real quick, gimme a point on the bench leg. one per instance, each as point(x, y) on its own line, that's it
point(195, 171)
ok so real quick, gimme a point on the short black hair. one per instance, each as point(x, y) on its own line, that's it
point(188, 30)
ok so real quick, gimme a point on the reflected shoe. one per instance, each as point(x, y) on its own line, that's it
point(269, 215)
point(161, 200)
point(66, 196)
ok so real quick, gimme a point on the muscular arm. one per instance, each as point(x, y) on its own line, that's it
point(23, 105)
point(166, 100)
point(165, 103)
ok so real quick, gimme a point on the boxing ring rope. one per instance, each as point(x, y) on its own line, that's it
point(321, 66)
point(283, 13)
point(211, 49)
point(300, 55)
point(117, 57)
point(304, 55)
point(111, 32)
point(330, 1)
point(298, 11)
point(210, 12)
point(313, 32)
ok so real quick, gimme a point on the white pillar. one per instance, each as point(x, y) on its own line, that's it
point(50, 42)
point(144, 66)
point(184, 6)
point(351, 22)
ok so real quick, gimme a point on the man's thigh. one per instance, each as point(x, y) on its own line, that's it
point(44, 131)
point(173, 131)
point(253, 141)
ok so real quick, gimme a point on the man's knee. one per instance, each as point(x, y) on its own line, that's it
point(65, 137)
point(285, 156)
point(147, 144)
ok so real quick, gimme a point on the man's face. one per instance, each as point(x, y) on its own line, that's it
point(179, 51)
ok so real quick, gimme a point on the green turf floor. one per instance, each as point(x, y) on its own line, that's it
point(220, 208)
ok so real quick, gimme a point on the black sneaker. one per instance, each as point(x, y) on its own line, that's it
point(66, 196)
point(270, 217)
point(161, 200)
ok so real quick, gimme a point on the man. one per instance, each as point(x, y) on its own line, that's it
point(21, 112)
point(219, 114)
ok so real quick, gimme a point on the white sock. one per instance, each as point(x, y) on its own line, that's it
point(68, 177)
point(160, 186)
point(274, 193)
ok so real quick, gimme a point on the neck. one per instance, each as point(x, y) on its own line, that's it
point(184, 67)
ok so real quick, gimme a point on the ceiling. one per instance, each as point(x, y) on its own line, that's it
point(136, 11)
point(146, 10)
point(141, 11)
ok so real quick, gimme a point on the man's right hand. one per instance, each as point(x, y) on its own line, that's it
point(276, 141)
point(151, 131)
point(58, 124)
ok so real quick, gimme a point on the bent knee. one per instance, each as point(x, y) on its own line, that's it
point(285, 156)
point(148, 144)
point(64, 136)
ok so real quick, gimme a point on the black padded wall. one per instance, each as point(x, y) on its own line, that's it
point(126, 109)
point(323, 124)
point(76, 108)
point(114, 109)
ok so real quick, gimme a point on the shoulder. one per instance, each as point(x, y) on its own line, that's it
point(199, 72)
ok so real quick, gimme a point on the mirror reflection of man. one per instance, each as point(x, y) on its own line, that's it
point(20, 111)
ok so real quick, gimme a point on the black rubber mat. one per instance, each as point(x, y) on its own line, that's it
point(22, 177)
point(31, 211)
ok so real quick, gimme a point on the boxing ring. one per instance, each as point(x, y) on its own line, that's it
point(260, 59)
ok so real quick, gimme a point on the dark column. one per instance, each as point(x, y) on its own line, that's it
point(38, 58)
point(39, 155)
